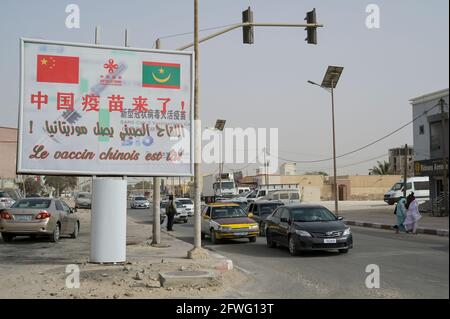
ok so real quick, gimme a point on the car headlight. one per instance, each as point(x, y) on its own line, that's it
point(254, 227)
point(224, 229)
point(302, 233)
point(346, 232)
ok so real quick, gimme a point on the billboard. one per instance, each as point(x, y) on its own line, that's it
point(103, 110)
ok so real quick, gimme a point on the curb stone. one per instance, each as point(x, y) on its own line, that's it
point(224, 264)
point(420, 230)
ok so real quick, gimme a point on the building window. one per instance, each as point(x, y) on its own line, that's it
point(421, 130)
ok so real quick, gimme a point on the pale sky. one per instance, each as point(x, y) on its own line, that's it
point(265, 84)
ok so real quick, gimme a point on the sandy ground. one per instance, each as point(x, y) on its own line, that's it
point(36, 268)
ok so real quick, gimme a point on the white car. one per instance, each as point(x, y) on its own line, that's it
point(140, 202)
point(5, 200)
point(188, 205)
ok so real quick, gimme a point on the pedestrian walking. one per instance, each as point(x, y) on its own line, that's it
point(412, 214)
point(400, 213)
point(170, 213)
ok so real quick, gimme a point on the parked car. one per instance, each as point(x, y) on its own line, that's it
point(39, 217)
point(227, 221)
point(307, 227)
point(419, 185)
point(83, 200)
point(140, 202)
point(261, 209)
point(5, 200)
point(188, 205)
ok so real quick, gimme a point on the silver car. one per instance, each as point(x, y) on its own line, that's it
point(83, 200)
point(41, 216)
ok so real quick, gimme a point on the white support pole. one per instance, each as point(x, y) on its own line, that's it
point(108, 221)
point(108, 217)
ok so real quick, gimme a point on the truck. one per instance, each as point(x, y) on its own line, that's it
point(219, 186)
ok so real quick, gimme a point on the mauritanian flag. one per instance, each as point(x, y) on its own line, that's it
point(58, 69)
point(160, 75)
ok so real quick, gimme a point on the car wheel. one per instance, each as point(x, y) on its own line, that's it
point(185, 221)
point(252, 239)
point(7, 238)
point(213, 237)
point(270, 242)
point(56, 232)
point(75, 231)
point(343, 251)
point(292, 247)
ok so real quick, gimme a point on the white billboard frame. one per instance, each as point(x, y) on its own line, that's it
point(21, 170)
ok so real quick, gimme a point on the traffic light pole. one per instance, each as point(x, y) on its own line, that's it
point(251, 24)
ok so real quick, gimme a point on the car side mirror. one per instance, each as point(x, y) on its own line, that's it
point(340, 218)
point(250, 215)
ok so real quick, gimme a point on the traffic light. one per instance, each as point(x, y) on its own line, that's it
point(247, 16)
point(311, 32)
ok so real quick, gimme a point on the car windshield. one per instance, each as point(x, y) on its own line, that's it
point(225, 185)
point(397, 187)
point(186, 201)
point(84, 196)
point(312, 214)
point(268, 208)
point(140, 198)
point(34, 203)
point(228, 212)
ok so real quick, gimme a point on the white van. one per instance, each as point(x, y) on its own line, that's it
point(286, 196)
point(419, 185)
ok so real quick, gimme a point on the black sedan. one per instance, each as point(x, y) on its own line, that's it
point(302, 227)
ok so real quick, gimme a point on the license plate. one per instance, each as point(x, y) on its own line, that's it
point(329, 241)
point(22, 218)
point(241, 234)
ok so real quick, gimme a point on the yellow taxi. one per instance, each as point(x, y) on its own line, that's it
point(227, 221)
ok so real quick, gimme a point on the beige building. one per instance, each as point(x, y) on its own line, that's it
point(397, 161)
point(318, 187)
point(8, 150)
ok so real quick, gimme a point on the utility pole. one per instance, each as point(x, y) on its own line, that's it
point(156, 238)
point(336, 198)
point(197, 252)
point(405, 170)
point(444, 157)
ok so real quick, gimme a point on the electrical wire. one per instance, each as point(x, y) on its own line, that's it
point(201, 30)
point(362, 147)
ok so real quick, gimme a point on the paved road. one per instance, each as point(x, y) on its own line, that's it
point(411, 266)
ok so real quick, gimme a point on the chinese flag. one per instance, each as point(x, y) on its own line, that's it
point(57, 69)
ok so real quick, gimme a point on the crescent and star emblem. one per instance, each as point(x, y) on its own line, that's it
point(161, 80)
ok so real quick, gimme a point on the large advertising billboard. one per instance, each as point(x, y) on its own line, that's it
point(102, 110)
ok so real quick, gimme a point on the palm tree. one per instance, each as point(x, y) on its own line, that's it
point(380, 169)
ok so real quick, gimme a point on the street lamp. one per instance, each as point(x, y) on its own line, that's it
point(329, 83)
point(220, 125)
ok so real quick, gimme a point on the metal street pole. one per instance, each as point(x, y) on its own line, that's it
point(405, 171)
point(197, 252)
point(336, 206)
point(156, 238)
point(444, 157)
